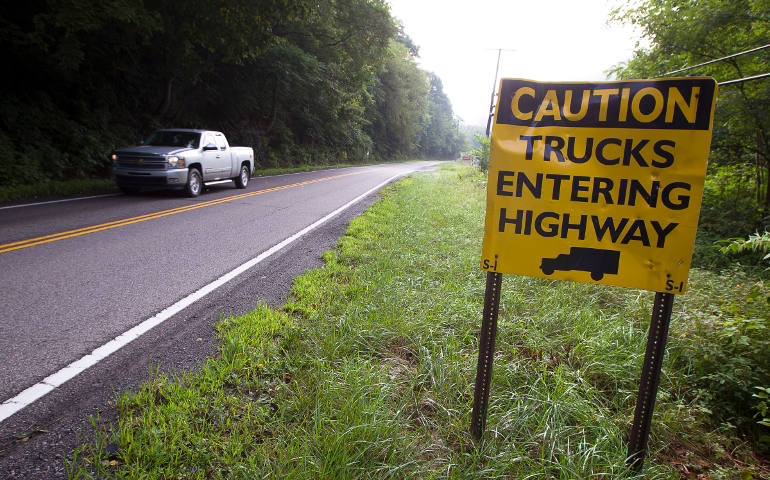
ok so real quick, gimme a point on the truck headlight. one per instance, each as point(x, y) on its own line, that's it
point(114, 158)
point(175, 162)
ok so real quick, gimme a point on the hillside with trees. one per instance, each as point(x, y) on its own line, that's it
point(303, 83)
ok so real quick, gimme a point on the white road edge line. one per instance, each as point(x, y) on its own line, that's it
point(51, 382)
point(60, 201)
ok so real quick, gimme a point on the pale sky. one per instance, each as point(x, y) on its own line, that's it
point(552, 40)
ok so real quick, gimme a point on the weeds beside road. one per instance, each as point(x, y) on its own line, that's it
point(368, 372)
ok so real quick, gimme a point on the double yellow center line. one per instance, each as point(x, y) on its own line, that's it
point(30, 242)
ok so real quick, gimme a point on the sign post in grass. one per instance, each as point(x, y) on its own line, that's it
point(486, 353)
point(597, 183)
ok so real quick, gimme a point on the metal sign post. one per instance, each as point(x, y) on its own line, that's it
point(650, 378)
point(486, 353)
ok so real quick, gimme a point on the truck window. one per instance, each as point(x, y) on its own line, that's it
point(171, 138)
point(207, 139)
point(221, 142)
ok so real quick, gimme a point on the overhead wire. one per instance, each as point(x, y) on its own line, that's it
point(728, 82)
point(745, 79)
point(718, 59)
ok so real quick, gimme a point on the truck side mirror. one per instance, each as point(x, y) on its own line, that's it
point(210, 146)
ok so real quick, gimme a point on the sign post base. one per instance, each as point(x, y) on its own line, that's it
point(487, 338)
point(650, 378)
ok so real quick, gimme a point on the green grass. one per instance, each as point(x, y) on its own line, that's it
point(368, 371)
point(53, 188)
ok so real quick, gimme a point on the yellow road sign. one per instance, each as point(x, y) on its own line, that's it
point(598, 182)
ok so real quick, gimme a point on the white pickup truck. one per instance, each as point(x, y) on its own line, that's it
point(181, 159)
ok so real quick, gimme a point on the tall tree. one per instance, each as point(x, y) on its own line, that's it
point(399, 94)
point(440, 137)
point(690, 32)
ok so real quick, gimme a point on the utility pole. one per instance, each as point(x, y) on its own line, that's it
point(494, 88)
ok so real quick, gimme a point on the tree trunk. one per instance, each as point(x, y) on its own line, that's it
point(274, 113)
point(163, 108)
point(758, 175)
point(262, 133)
point(260, 152)
point(767, 185)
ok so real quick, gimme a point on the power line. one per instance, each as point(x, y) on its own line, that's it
point(718, 59)
point(745, 79)
point(494, 87)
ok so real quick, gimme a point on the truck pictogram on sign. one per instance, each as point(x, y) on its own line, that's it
point(595, 260)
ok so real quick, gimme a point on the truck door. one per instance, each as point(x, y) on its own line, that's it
point(212, 161)
point(227, 160)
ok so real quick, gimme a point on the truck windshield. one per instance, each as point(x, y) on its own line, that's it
point(170, 138)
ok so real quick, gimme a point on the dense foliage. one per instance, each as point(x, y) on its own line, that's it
point(688, 32)
point(303, 82)
point(480, 152)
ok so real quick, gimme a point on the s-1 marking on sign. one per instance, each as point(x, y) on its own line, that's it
point(598, 182)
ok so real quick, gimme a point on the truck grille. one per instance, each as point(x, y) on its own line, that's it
point(143, 163)
point(140, 180)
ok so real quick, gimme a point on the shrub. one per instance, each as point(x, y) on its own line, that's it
point(480, 154)
point(729, 206)
point(763, 411)
point(755, 243)
point(726, 347)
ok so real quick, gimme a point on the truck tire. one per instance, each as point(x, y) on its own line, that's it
point(243, 178)
point(194, 184)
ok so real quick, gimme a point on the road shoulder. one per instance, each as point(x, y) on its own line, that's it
point(35, 442)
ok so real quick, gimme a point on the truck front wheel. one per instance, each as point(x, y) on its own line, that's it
point(194, 183)
point(243, 179)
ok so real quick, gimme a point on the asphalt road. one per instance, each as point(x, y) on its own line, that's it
point(75, 275)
